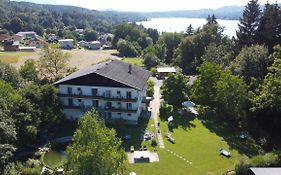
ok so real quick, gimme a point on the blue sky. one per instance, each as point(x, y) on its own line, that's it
point(148, 5)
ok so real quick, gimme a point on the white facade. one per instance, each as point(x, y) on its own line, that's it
point(66, 43)
point(111, 102)
point(94, 45)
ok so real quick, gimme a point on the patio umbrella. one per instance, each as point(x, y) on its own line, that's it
point(188, 104)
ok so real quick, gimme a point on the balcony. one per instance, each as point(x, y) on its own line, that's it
point(119, 109)
point(100, 109)
point(100, 97)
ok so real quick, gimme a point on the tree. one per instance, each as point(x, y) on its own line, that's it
point(16, 25)
point(249, 23)
point(212, 19)
point(190, 30)
point(171, 40)
point(175, 89)
point(190, 50)
point(9, 74)
point(96, 149)
point(151, 60)
point(220, 54)
point(252, 63)
point(52, 63)
point(7, 139)
point(269, 28)
point(29, 71)
point(220, 90)
point(266, 102)
point(126, 48)
point(150, 88)
point(90, 35)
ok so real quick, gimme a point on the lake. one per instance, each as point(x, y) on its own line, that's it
point(180, 24)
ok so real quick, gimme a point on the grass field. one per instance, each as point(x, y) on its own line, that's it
point(13, 57)
point(135, 61)
point(195, 143)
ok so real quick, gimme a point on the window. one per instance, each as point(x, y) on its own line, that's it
point(119, 113)
point(79, 91)
point(80, 100)
point(95, 103)
point(129, 105)
point(129, 114)
point(129, 95)
point(94, 91)
point(118, 93)
point(69, 90)
point(108, 93)
point(119, 104)
point(108, 104)
point(109, 115)
point(70, 102)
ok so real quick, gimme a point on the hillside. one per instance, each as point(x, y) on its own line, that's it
point(227, 12)
point(16, 16)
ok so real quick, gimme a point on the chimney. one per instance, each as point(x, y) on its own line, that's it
point(130, 69)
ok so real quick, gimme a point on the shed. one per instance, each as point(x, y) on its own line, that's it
point(265, 171)
point(164, 71)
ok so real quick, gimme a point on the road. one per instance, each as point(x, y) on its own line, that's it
point(155, 105)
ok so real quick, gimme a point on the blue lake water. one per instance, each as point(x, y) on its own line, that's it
point(180, 24)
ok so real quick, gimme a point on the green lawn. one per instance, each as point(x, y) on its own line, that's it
point(194, 142)
point(54, 159)
point(13, 57)
point(135, 61)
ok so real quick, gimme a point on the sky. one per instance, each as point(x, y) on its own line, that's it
point(148, 5)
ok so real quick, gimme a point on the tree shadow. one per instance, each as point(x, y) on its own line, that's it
point(229, 130)
point(182, 121)
point(131, 135)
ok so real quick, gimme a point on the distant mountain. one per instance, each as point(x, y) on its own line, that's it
point(227, 12)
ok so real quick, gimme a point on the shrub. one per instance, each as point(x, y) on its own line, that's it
point(166, 110)
point(241, 168)
point(268, 159)
point(154, 143)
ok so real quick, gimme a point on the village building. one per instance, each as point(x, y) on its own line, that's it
point(94, 45)
point(66, 43)
point(164, 71)
point(115, 88)
point(28, 35)
point(11, 45)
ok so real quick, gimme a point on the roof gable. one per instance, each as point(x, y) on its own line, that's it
point(115, 70)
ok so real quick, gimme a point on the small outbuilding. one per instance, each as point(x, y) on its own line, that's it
point(66, 43)
point(265, 171)
point(164, 71)
point(94, 45)
point(11, 45)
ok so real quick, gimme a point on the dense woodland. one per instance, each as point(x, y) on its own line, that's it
point(24, 16)
point(238, 81)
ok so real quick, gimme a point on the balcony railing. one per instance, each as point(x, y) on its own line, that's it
point(99, 96)
point(102, 109)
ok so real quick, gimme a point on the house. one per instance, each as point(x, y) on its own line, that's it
point(115, 88)
point(51, 37)
point(94, 45)
point(11, 45)
point(81, 31)
point(265, 171)
point(164, 71)
point(106, 39)
point(83, 43)
point(66, 43)
point(29, 35)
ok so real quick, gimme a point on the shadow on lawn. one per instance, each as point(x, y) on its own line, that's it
point(135, 131)
point(230, 132)
point(180, 120)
